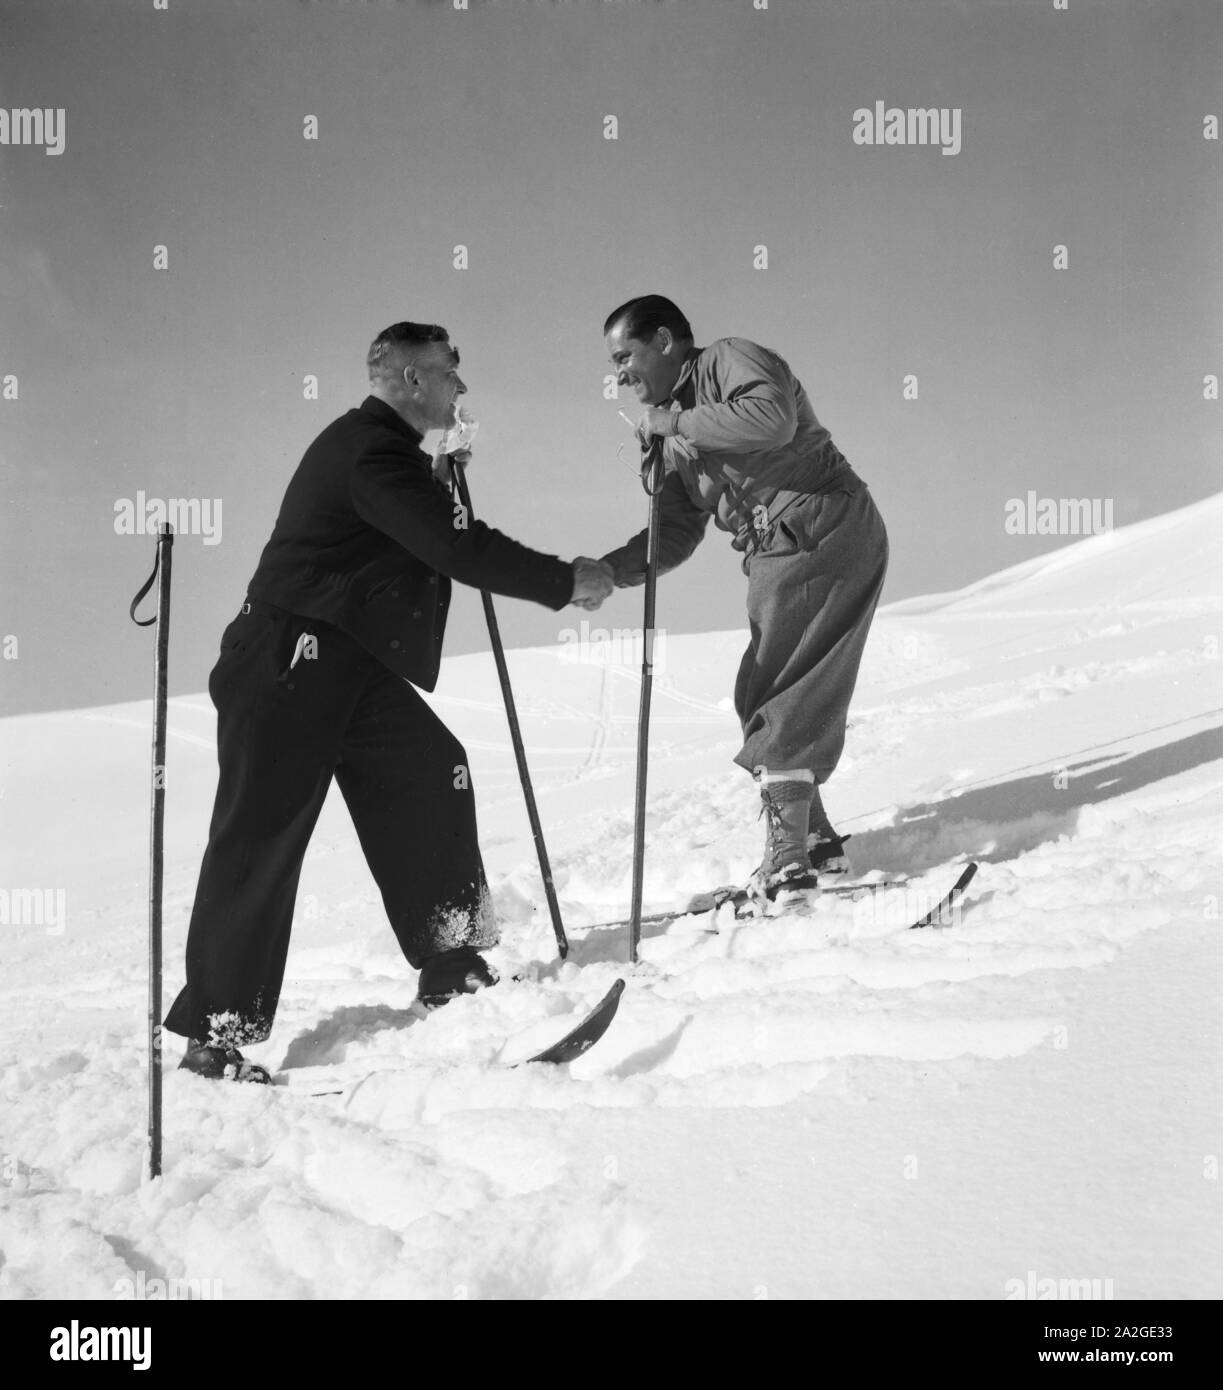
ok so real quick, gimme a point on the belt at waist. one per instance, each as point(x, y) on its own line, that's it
point(258, 605)
point(763, 519)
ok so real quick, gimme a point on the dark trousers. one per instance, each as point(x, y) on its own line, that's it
point(811, 594)
point(284, 729)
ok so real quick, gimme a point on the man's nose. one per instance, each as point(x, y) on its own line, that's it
point(462, 391)
point(622, 377)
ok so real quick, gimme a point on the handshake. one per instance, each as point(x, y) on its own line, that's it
point(593, 580)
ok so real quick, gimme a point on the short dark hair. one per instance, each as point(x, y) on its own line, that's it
point(644, 316)
point(386, 349)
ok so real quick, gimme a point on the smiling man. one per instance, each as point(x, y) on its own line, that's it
point(344, 615)
point(742, 444)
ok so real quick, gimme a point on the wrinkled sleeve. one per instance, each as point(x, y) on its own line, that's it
point(756, 407)
point(391, 491)
point(681, 526)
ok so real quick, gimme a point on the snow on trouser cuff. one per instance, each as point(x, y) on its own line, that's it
point(458, 924)
point(234, 1029)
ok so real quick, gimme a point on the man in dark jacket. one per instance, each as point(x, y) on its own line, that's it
point(742, 444)
point(346, 608)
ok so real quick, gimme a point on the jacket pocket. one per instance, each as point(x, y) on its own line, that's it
point(233, 639)
point(247, 628)
point(297, 645)
point(782, 538)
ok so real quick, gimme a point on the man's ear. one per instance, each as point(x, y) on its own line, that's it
point(665, 339)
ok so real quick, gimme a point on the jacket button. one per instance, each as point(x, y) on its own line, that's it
point(394, 641)
point(416, 612)
point(394, 593)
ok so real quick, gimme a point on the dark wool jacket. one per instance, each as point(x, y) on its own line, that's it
point(368, 540)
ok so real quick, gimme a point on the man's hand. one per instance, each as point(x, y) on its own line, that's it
point(657, 420)
point(593, 580)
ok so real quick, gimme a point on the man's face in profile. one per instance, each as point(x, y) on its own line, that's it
point(435, 368)
point(650, 368)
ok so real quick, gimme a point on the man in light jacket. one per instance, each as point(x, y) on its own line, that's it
point(742, 444)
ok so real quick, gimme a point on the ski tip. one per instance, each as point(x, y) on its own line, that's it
point(952, 896)
point(581, 1039)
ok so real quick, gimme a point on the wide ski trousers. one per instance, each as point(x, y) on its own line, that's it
point(299, 702)
point(813, 585)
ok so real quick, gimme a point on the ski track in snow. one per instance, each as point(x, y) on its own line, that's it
point(1075, 754)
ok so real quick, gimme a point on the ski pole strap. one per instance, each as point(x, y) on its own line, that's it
point(145, 622)
point(652, 470)
point(168, 537)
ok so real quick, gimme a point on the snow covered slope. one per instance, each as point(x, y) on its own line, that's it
point(797, 1107)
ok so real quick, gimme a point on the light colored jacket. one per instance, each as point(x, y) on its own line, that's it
point(747, 446)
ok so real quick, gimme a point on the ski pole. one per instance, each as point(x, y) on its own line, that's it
point(520, 753)
point(651, 479)
point(161, 573)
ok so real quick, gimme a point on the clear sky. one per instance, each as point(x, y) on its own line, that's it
point(485, 127)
